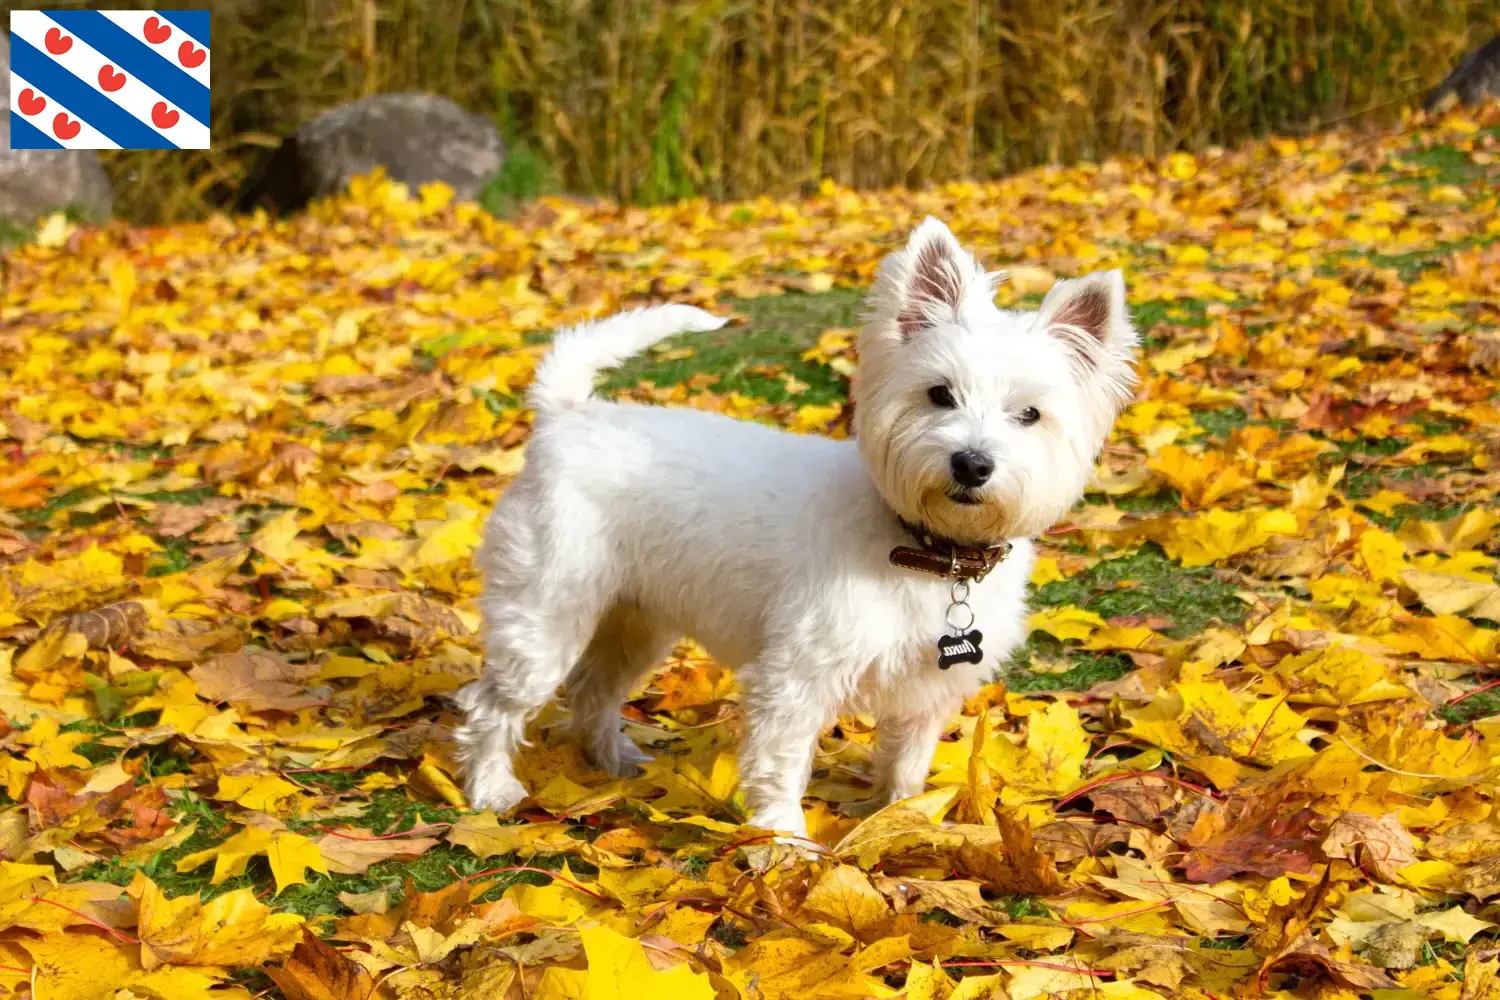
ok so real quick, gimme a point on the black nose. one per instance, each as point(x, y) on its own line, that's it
point(971, 468)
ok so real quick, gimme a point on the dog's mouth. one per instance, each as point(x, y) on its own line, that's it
point(964, 497)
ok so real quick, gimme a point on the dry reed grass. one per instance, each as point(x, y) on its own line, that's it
point(654, 99)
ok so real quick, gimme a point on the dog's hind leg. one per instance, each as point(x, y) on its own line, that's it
point(534, 636)
point(626, 643)
point(519, 679)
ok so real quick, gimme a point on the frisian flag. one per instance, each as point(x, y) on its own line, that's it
point(109, 79)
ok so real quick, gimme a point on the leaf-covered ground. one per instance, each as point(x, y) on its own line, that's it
point(1251, 748)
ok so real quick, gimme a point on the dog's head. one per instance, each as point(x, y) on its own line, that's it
point(981, 423)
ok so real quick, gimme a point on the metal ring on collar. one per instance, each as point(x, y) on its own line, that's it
point(953, 624)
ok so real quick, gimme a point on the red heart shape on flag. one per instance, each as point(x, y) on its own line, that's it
point(163, 118)
point(155, 31)
point(63, 128)
point(30, 102)
point(190, 57)
point(58, 43)
point(109, 79)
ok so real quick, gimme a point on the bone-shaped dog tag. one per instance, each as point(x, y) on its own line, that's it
point(961, 648)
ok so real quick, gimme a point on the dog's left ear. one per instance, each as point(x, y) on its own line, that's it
point(1090, 317)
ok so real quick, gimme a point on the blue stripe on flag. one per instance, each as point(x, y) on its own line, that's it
point(138, 59)
point(83, 100)
point(194, 22)
point(24, 135)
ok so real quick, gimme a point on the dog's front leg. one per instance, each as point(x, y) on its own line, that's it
point(781, 732)
point(904, 745)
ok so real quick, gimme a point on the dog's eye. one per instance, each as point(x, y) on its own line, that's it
point(942, 396)
point(1030, 415)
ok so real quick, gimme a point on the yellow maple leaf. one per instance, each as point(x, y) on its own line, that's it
point(844, 897)
point(1383, 554)
point(291, 855)
point(1065, 622)
point(234, 929)
point(1444, 637)
point(455, 538)
point(619, 970)
point(1218, 534)
point(486, 836)
point(1205, 717)
point(288, 853)
point(1340, 676)
point(1469, 530)
point(52, 749)
point(812, 418)
point(80, 966)
point(1203, 480)
point(1050, 763)
point(556, 904)
point(1448, 593)
point(277, 538)
point(260, 792)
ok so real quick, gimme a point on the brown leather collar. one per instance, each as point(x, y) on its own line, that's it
point(946, 558)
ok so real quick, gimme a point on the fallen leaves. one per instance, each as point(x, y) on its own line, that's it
point(247, 466)
point(231, 930)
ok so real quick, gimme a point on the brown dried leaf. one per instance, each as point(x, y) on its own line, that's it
point(352, 851)
point(1382, 846)
point(186, 640)
point(256, 679)
point(1017, 866)
point(318, 971)
point(1250, 836)
point(959, 897)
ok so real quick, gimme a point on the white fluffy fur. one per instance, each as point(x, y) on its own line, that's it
point(633, 525)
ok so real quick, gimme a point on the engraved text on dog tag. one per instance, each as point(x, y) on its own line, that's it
point(961, 648)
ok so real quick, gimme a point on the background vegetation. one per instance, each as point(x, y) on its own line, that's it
point(652, 100)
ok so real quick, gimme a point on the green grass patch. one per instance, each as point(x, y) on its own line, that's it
point(1084, 669)
point(1221, 423)
point(754, 360)
point(1147, 584)
point(1481, 706)
point(1142, 504)
point(13, 234)
point(175, 557)
point(191, 497)
point(1434, 166)
point(391, 811)
point(38, 516)
point(523, 176)
point(1369, 481)
point(1181, 312)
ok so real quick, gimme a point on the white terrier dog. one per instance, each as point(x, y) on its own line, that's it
point(829, 573)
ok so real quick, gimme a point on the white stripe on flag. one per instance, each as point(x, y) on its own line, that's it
point(133, 22)
point(88, 137)
point(84, 61)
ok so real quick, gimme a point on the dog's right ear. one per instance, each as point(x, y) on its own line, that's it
point(925, 283)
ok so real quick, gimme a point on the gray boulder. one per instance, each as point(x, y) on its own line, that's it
point(1473, 81)
point(34, 182)
point(417, 138)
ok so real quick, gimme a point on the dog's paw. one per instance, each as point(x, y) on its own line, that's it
point(622, 759)
point(787, 822)
point(494, 791)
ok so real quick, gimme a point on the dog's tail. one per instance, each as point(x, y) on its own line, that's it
point(566, 376)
